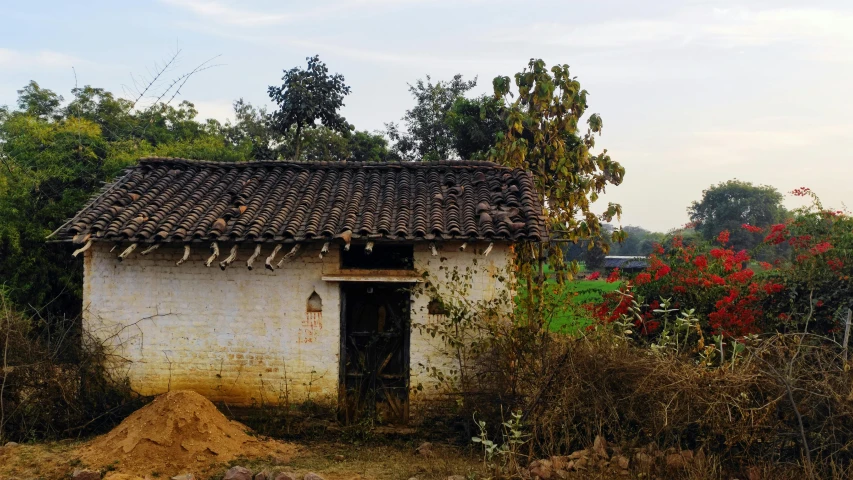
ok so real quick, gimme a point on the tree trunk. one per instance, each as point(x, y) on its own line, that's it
point(298, 141)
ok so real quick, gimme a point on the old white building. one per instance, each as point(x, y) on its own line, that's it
point(272, 282)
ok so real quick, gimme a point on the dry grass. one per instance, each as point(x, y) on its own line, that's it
point(53, 381)
point(785, 405)
point(39, 461)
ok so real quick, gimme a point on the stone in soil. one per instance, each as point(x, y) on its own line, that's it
point(541, 469)
point(425, 449)
point(599, 446)
point(238, 473)
point(85, 474)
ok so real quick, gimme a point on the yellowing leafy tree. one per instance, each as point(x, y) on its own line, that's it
point(543, 136)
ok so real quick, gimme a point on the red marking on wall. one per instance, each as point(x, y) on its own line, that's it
point(310, 328)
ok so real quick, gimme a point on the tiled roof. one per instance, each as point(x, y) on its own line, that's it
point(176, 200)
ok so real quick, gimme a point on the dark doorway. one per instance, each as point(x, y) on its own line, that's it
point(374, 352)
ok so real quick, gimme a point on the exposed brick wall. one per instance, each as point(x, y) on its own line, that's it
point(240, 336)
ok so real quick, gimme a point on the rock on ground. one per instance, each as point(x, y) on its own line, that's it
point(238, 473)
point(86, 474)
point(675, 461)
point(599, 446)
point(312, 476)
point(425, 449)
point(644, 460)
point(541, 469)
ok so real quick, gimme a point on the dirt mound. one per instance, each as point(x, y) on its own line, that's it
point(179, 431)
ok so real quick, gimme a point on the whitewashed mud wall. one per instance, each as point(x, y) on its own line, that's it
point(481, 283)
point(246, 337)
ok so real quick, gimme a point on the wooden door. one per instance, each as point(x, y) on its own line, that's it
point(375, 331)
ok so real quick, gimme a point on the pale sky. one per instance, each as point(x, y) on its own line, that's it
point(691, 92)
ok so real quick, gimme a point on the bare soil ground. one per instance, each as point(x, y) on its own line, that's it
point(182, 432)
point(333, 461)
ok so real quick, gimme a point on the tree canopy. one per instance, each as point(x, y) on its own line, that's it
point(427, 134)
point(733, 204)
point(474, 124)
point(53, 159)
point(637, 242)
point(307, 96)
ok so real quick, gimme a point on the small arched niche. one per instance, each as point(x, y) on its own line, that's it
point(436, 312)
point(436, 307)
point(315, 303)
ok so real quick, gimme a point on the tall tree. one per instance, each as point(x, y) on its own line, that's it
point(427, 134)
point(370, 147)
point(307, 96)
point(541, 135)
point(474, 124)
point(37, 101)
point(732, 204)
point(252, 127)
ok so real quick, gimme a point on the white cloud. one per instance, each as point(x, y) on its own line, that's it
point(43, 59)
point(744, 28)
point(723, 28)
point(223, 13)
point(221, 110)
point(226, 14)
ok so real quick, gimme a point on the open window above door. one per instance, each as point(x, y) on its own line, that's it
point(387, 262)
point(384, 256)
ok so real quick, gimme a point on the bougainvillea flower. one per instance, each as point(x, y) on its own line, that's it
point(751, 228)
point(614, 276)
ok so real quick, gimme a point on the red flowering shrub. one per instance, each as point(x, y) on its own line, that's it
point(807, 289)
point(614, 276)
point(726, 295)
point(813, 287)
point(642, 278)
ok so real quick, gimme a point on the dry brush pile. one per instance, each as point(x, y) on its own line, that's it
point(52, 380)
point(786, 402)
